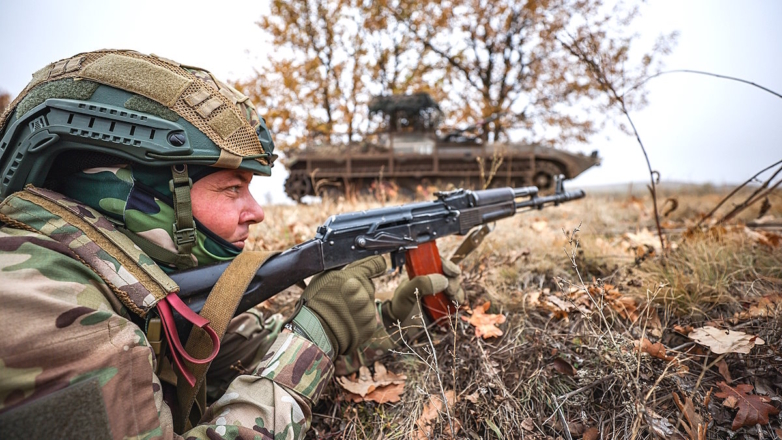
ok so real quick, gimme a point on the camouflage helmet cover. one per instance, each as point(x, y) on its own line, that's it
point(139, 108)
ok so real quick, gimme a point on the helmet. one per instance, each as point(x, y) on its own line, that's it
point(113, 107)
point(138, 108)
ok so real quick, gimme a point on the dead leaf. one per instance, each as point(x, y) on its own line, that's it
point(485, 323)
point(686, 330)
point(539, 225)
point(557, 306)
point(473, 398)
point(753, 409)
point(532, 299)
point(563, 367)
point(528, 425)
point(431, 412)
point(724, 341)
point(387, 394)
point(591, 434)
point(653, 324)
point(730, 402)
point(656, 350)
point(695, 426)
point(384, 387)
point(384, 377)
point(576, 428)
point(722, 366)
point(361, 386)
point(766, 238)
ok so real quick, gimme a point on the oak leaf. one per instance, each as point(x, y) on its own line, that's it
point(724, 341)
point(485, 323)
point(384, 387)
point(753, 409)
point(387, 394)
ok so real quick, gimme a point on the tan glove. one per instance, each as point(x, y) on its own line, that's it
point(404, 299)
point(343, 301)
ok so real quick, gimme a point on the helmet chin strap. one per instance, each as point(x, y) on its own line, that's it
point(184, 228)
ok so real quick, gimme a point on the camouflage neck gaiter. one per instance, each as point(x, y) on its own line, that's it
point(139, 197)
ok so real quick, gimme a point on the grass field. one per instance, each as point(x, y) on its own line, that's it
point(597, 317)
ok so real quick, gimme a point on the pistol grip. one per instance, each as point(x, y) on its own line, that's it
point(425, 260)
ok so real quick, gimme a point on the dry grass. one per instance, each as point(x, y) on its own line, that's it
point(512, 387)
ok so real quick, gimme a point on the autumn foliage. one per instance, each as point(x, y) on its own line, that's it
point(5, 100)
point(327, 58)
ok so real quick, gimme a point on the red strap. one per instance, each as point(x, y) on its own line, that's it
point(177, 350)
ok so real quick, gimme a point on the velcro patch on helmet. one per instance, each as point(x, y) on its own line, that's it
point(61, 89)
point(146, 105)
point(209, 106)
point(139, 76)
point(196, 98)
point(225, 123)
point(66, 66)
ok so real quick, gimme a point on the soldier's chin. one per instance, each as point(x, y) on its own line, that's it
point(239, 244)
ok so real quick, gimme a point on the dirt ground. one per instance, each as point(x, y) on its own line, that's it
point(602, 329)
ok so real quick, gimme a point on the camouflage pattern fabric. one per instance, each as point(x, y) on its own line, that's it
point(23, 207)
point(140, 198)
point(62, 325)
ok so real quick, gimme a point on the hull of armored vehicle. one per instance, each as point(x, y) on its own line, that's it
point(410, 162)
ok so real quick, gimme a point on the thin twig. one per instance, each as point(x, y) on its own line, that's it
point(614, 96)
point(752, 199)
point(732, 193)
point(731, 78)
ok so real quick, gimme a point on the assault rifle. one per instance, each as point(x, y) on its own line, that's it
point(407, 232)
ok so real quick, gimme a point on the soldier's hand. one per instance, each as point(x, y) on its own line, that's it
point(404, 299)
point(338, 306)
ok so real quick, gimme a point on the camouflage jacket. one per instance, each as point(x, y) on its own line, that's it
point(73, 364)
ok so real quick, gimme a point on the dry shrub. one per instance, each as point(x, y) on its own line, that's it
point(714, 270)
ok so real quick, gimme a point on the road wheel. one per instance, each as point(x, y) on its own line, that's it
point(542, 180)
point(298, 186)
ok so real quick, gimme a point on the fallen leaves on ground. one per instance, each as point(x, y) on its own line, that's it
point(722, 366)
point(766, 238)
point(766, 306)
point(724, 341)
point(485, 323)
point(539, 225)
point(591, 434)
point(384, 387)
point(695, 426)
point(560, 304)
point(753, 409)
point(655, 350)
point(684, 331)
point(430, 414)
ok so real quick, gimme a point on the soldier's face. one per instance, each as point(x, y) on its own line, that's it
point(222, 202)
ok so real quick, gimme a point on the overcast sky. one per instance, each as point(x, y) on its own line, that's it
point(696, 128)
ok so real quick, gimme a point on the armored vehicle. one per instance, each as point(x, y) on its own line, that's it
point(410, 153)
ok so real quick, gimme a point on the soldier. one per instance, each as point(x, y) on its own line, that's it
point(118, 168)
